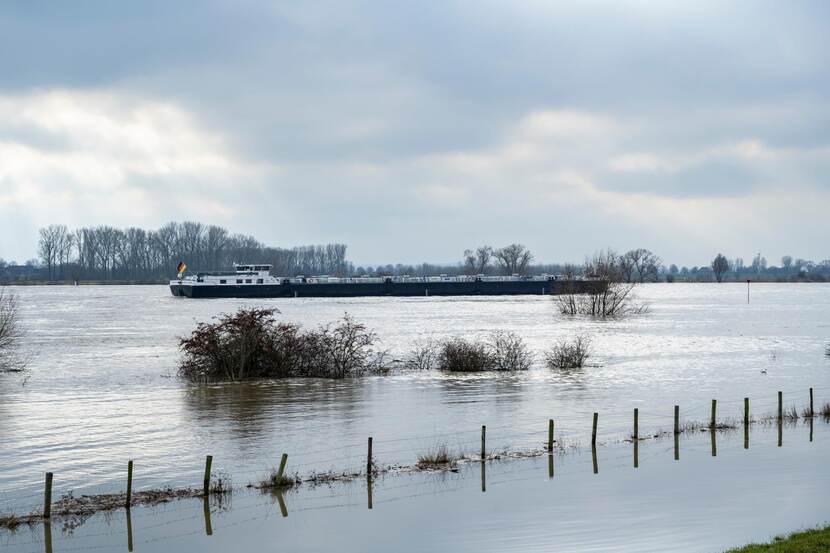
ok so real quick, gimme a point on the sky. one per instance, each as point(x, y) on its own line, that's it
point(412, 131)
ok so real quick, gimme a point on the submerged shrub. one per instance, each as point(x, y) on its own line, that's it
point(460, 355)
point(501, 351)
point(424, 355)
point(252, 344)
point(569, 354)
point(614, 300)
point(509, 352)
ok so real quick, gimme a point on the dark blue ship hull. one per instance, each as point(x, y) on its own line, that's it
point(401, 289)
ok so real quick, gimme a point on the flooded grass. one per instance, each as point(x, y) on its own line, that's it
point(11, 522)
point(790, 415)
point(438, 457)
point(277, 481)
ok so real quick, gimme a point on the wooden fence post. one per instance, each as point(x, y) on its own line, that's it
point(129, 484)
point(208, 463)
point(714, 422)
point(594, 430)
point(780, 406)
point(550, 436)
point(676, 420)
point(281, 470)
point(746, 411)
point(369, 459)
point(47, 496)
point(483, 439)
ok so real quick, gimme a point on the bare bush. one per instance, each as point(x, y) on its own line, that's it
point(616, 299)
point(252, 344)
point(424, 355)
point(509, 352)
point(340, 350)
point(501, 351)
point(10, 332)
point(569, 354)
point(460, 355)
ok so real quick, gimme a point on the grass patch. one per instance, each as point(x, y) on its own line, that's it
point(10, 521)
point(825, 411)
point(277, 481)
point(790, 415)
point(439, 456)
point(809, 541)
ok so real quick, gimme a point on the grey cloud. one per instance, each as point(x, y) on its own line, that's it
point(318, 87)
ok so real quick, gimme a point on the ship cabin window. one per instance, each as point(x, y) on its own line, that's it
point(239, 281)
point(259, 281)
point(222, 281)
point(247, 281)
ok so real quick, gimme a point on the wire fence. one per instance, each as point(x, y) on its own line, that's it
point(401, 453)
point(250, 509)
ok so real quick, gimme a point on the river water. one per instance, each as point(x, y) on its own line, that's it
point(102, 388)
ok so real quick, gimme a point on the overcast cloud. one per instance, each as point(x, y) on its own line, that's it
point(411, 131)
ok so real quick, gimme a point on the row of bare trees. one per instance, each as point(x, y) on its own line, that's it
point(510, 260)
point(107, 253)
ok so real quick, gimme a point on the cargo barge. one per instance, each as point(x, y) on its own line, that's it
point(255, 281)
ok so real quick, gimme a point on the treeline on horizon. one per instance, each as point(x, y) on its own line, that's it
point(105, 253)
point(134, 254)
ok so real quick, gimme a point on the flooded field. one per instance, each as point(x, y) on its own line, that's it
point(102, 389)
point(698, 502)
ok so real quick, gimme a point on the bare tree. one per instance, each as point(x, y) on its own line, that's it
point(476, 262)
point(639, 265)
point(513, 259)
point(720, 265)
point(469, 262)
point(49, 244)
point(9, 329)
point(615, 299)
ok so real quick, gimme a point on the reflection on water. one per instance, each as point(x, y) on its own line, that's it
point(663, 505)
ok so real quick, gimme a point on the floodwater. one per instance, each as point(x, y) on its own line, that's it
point(102, 389)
